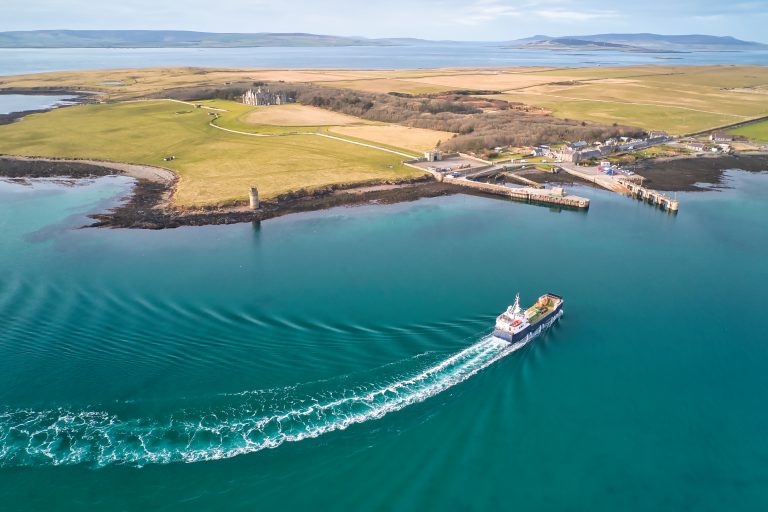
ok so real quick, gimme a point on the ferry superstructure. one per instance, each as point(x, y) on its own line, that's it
point(515, 325)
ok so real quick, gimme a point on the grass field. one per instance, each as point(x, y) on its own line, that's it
point(292, 118)
point(299, 115)
point(757, 131)
point(386, 85)
point(650, 117)
point(394, 135)
point(215, 167)
point(489, 81)
point(675, 99)
point(234, 115)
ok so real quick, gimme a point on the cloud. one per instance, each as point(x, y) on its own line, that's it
point(483, 11)
point(709, 17)
point(566, 15)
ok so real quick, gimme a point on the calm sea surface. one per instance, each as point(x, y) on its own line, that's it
point(21, 102)
point(18, 61)
point(341, 359)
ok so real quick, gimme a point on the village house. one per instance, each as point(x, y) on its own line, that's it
point(565, 154)
point(589, 154)
point(578, 144)
point(720, 137)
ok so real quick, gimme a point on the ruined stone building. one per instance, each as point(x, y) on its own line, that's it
point(264, 97)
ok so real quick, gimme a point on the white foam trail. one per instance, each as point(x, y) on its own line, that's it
point(266, 420)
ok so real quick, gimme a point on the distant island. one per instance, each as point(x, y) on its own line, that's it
point(191, 39)
point(637, 43)
point(568, 43)
point(174, 39)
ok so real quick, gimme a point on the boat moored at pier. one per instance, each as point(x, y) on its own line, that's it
point(515, 325)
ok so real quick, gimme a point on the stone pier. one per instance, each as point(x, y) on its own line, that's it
point(651, 196)
point(551, 196)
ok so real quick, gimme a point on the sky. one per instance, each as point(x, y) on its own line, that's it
point(478, 20)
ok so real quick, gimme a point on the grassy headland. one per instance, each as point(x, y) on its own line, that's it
point(215, 167)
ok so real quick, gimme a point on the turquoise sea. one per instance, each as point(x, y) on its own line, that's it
point(340, 360)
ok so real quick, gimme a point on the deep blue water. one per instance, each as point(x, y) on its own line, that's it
point(19, 61)
point(156, 369)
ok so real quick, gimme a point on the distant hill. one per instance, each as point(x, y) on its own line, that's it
point(569, 43)
point(173, 39)
point(640, 42)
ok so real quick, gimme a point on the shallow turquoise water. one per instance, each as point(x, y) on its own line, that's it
point(331, 337)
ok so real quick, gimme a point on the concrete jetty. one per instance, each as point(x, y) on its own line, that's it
point(649, 195)
point(522, 179)
point(461, 169)
point(629, 185)
point(550, 196)
point(595, 176)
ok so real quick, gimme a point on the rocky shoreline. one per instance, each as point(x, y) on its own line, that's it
point(696, 174)
point(148, 206)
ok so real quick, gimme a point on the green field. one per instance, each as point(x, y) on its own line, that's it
point(678, 100)
point(215, 167)
point(674, 120)
point(234, 119)
point(757, 131)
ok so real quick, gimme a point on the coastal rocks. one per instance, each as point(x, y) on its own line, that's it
point(693, 174)
point(147, 206)
point(27, 168)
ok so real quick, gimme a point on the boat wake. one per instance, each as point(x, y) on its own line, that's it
point(244, 423)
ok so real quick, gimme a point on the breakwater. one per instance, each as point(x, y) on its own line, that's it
point(549, 196)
